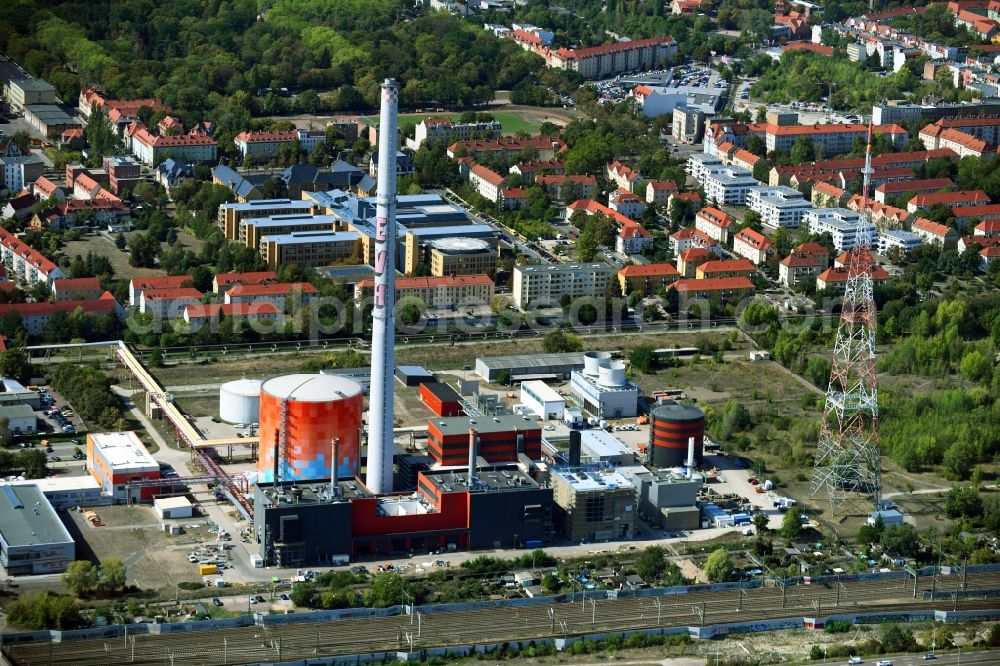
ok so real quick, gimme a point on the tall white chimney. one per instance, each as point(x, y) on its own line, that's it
point(690, 460)
point(380, 413)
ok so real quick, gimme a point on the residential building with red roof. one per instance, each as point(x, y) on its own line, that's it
point(658, 191)
point(745, 159)
point(809, 46)
point(214, 314)
point(989, 256)
point(168, 303)
point(44, 188)
point(622, 175)
point(35, 316)
point(933, 233)
point(529, 170)
point(804, 262)
point(73, 138)
point(138, 285)
point(966, 136)
point(926, 186)
point(513, 198)
point(689, 260)
point(282, 295)
point(265, 145)
point(24, 262)
point(546, 148)
point(76, 289)
point(563, 187)
point(834, 280)
point(607, 60)
point(633, 239)
point(988, 228)
point(713, 288)
point(687, 238)
point(85, 188)
point(967, 242)
point(972, 214)
point(19, 206)
point(627, 203)
point(113, 214)
point(827, 195)
point(222, 282)
point(960, 199)
point(123, 108)
point(647, 279)
point(486, 182)
point(443, 130)
point(591, 207)
point(753, 245)
point(835, 138)
point(151, 149)
point(722, 268)
point(437, 292)
point(685, 197)
point(714, 223)
point(685, 7)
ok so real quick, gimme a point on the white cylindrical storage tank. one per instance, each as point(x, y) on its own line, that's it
point(239, 401)
point(612, 374)
point(592, 362)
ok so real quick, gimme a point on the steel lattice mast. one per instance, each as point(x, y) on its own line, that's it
point(847, 465)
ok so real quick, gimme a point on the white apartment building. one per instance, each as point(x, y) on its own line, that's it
point(267, 144)
point(842, 224)
point(779, 205)
point(729, 185)
point(899, 239)
point(486, 181)
point(443, 129)
point(714, 223)
point(699, 164)
point(547, 284)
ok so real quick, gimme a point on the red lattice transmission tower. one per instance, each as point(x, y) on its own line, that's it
point(847, 468)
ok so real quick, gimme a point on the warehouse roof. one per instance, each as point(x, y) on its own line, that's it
point(27, 518)
point(123, 450)
point(20, 411)
point(531, 360)
point(458, 425)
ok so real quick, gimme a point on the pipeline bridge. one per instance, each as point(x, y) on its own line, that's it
point(361, 635)
point(202, 449)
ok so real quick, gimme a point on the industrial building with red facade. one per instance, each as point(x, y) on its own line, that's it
point(441, 399)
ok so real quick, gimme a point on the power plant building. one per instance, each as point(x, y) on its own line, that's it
point(593, 503)
point(500, 508)
point(115, 459)
point(501, 438)
point(525, 367)
point(669, 499)
point(602, 389)
point(542, 400)
point(300, 416)
point(672, 427)
point(32, 538)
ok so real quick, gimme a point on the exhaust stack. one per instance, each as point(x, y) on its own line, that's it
point(473, 455)
point(380, 413)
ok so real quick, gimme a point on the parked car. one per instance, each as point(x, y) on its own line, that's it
point(55, 458)
point(217, 601)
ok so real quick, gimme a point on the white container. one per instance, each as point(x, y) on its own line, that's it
point(239, 401)
point(256, 561)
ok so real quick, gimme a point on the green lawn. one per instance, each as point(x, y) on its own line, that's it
point(511, 122)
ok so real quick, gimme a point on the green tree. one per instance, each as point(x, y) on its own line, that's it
point(791, 526)
point(305, 594)
point(651, 564)
point(46, 610)
point(559, 342)
point(99, 133)
point(803, 150)
point(975, 366)
point(760, 522)
point(388, 589)
point(6, 438)
point(14, 363)
point(901, 540)
point(112, 575)
point(410, 313)
point(963, 502)
point(641, 358)
point(81, 577)
point(718, 567)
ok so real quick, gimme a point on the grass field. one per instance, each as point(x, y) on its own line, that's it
point(511, 122)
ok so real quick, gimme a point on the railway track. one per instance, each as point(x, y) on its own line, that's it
point(264, 643)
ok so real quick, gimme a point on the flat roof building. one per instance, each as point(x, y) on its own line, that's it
point(116, 458)
point(32, 538)
point(542, 400)
point(547, 284)
point(501, 438)
point(593, 503)
point(524, 367)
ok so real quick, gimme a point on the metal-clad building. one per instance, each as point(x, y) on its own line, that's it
point(32, 538)
point(593, 503)
point(529, 366)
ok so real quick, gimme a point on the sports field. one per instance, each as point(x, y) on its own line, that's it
point(511, 122)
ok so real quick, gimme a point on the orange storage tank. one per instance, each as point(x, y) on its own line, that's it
point(318, 408)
